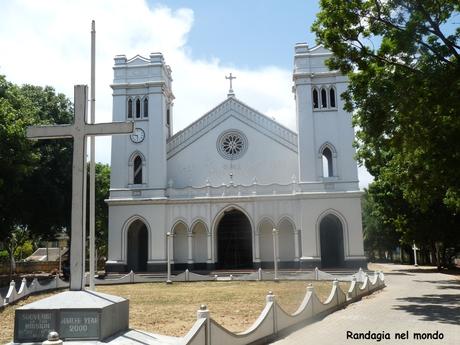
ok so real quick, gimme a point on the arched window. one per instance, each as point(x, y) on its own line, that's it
point(137, 173)
point(332, 97)
point(323, 98)
point(138, 108)
point(146, 107)
point(315, 99)
point(130, 108)
point(328, 169)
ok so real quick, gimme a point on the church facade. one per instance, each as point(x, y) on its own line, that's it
point(235, 181)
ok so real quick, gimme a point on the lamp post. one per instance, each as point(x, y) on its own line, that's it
point(168, 242)
point(275, 252)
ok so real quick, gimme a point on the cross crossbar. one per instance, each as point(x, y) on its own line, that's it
point(79, 130)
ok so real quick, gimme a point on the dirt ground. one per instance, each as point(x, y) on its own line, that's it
point(171, 309)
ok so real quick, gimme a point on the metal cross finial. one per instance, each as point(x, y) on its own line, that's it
point(230, 91)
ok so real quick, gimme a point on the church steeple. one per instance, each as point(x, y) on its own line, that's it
point(142, 94)
point(325, 131)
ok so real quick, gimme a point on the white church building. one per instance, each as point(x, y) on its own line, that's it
point(224, 183)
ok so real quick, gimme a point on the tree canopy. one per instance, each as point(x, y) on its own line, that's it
point(402, 58)
point(35, 178)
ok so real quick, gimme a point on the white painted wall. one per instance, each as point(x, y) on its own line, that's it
point(200, 243)
point(305, 212)
point(265, 159)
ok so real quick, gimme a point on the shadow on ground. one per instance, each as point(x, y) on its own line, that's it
point(453, 271)
point(434, 308)
point(444, 284)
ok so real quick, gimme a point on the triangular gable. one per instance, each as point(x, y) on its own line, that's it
point(320, 50)
point(138, 60)
point(231, 107)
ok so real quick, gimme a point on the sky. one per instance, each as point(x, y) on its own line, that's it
point(48, 43)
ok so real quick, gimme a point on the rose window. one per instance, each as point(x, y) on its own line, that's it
point(232, 144)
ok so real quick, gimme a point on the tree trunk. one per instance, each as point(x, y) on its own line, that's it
point(12, 264)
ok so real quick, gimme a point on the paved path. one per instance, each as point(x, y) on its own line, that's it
point(415, 300)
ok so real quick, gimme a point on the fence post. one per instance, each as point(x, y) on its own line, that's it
point(11, 294)
point(259, 274)
point(335, 284)
point(354, 283)
point(131, 276)
point(316, 273)
point(203, 313)
point(23, 287)
point(311, 289)
point(270, 298)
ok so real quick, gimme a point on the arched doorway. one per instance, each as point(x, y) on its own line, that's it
point(234, 241)
point(331, 242)
point(138, 246)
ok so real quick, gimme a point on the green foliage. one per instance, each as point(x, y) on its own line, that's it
point(4, 256)
point(102, 209)
point(379, 235)
point(35, 178)
point(16, 154)
point(402, 58)
point(48, 187)
point(25, 250)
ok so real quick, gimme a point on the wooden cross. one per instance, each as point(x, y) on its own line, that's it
point(230, 91)
point(79, 130)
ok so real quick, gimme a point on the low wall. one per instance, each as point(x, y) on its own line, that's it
point(272, 321)
point(30, 267)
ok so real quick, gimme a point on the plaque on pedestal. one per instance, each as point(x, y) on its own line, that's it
point(75, 315)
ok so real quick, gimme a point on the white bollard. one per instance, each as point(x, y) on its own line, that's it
point(270, 297)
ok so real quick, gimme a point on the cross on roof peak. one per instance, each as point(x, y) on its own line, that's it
point(230, 91)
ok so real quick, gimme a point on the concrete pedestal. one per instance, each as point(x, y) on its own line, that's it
point(75, 315)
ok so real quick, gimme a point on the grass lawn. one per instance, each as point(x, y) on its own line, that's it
point(171, 309)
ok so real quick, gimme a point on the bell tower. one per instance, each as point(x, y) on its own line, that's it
point(142, 94)
point(325, 131)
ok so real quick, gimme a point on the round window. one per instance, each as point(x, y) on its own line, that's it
point(232, 144)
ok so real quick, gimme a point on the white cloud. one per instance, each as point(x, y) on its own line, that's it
point(48, 43)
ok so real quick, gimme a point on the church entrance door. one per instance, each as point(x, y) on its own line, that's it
point(138, 245)
point(234, 241)
point(331, 242)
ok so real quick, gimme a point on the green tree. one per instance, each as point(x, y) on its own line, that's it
point(16, 160)
point(380, 236)
point(47, 190)
point(25, 250)
point(101, 208)
point(402, 58)
point(35, 178)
